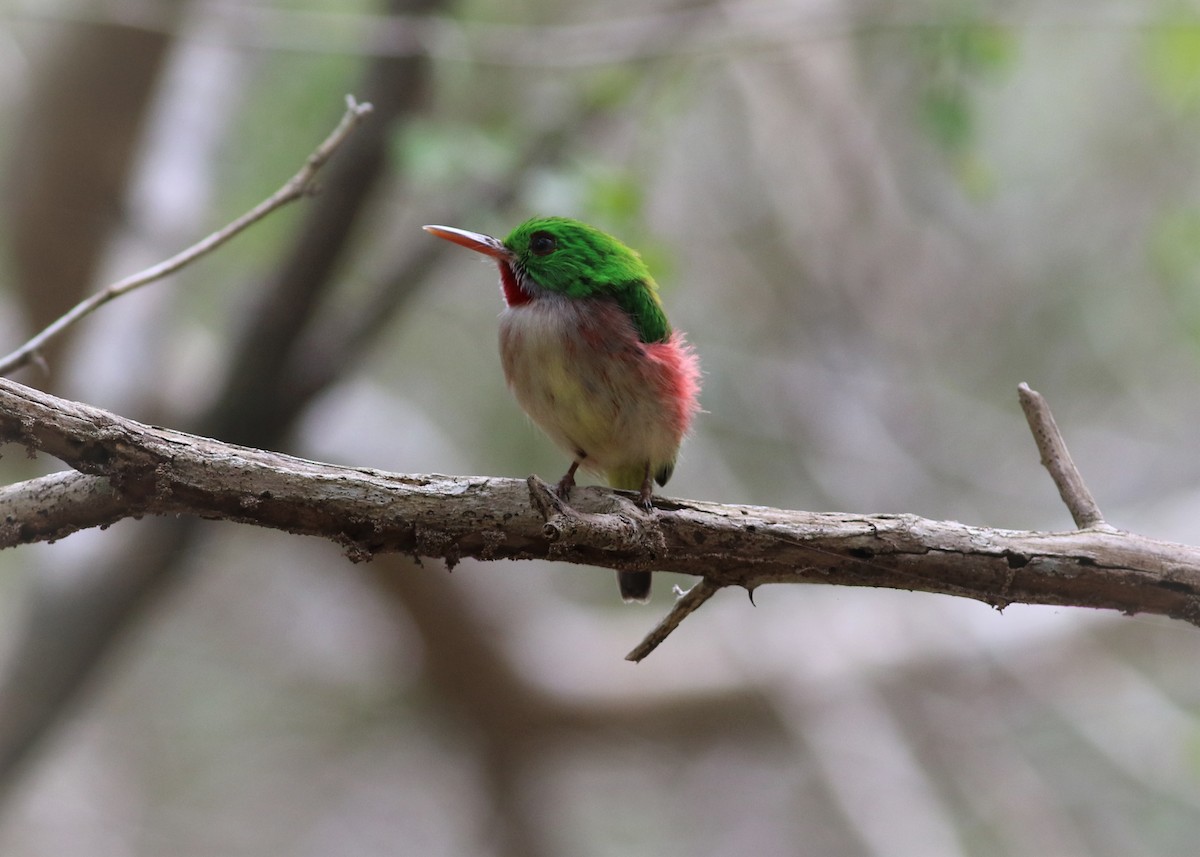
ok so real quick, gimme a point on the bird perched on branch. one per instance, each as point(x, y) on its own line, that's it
point(589, 354)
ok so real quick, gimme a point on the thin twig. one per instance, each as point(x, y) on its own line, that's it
point(684, 607)
point(1057, 459)
point(297, 186)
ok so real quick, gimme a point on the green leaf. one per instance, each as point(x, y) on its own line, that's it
point(1171, 60)
point(1171, 56)
point(958, 54)
point(946, 115)
point(1175, 249)
point(1174, 257)
point(987, 49)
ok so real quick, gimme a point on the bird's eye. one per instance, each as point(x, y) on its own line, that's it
point(542, 244)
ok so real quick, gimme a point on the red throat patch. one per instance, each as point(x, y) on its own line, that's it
point(514, 295)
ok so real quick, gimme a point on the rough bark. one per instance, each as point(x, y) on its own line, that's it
point(126, 469)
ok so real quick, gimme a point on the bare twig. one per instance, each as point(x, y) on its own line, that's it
point(687, 604)
point(1057, 459)
point(294, 188)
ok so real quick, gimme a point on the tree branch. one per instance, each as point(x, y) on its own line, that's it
point(156, 471)
point(294, 188)
point(57, 505)
point(1057, 459)
point(689, 602)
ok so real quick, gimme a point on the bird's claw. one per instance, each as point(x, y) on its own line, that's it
point(646, 496)
point(568, 481)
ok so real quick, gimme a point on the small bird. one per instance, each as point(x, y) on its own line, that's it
point(589, 354)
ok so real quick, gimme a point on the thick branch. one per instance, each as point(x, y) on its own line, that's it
point(156, 471)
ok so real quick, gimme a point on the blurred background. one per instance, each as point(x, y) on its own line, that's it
point(874, 220)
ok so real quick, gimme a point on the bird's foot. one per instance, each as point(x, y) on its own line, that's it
point(564, 486)
point(646, 495)
point(567, 482)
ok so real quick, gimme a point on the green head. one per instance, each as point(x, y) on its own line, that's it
point(564, 256)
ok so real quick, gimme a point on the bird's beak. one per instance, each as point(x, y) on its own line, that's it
point(476, 241)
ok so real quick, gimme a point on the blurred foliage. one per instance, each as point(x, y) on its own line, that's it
point(959, 55)
point(1174, 250)
point(441, 154)
point(1171, 55)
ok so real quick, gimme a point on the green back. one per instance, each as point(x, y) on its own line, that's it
point(565, 256)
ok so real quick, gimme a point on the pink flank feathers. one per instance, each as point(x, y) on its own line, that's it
point(679, 377)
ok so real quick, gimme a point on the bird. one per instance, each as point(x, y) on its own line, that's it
point(588, 353)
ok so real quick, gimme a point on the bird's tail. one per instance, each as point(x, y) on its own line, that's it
point(634, 585)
